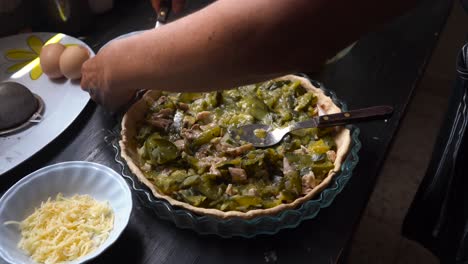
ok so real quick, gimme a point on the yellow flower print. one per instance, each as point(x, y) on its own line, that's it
point(28, 60)
point(24, 57)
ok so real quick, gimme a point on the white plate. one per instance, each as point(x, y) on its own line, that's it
point(64, 100)
point(68, 178)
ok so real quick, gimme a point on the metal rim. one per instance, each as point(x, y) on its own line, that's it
point(35, 118)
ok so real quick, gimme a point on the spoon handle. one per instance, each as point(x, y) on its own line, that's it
point(163, 13)
point(349, 117)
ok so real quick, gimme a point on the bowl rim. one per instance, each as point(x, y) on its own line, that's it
point(11, 192)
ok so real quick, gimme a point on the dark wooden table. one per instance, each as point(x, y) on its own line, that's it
point(383, 68)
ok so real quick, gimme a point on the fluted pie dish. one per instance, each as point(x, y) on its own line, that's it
point(179, 146)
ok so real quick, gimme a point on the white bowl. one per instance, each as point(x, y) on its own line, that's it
point(68, 178)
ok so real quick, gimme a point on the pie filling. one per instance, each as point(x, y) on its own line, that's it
point(187, 153)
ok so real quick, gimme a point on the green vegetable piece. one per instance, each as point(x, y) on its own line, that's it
point(191, 181)
point(319, 147)
point(303, 101)
point(254, 106)
point(209, 177)
point(151, 175)
point(144, 150)
point(144, 132)
point(330, 142)
point(254, 157)
point(206, 136)
point(292, 144)
point(260, 133)
point(273, 85)
point(271, 203)
point(294, 158)
point(162, 103)
point(230, 96)
point(306, 139)
point(270, 191)
point(300, 161)
point(270, 98)
point(178, 176)
point(171, 183)
point(160, 151)
point(296, 87)
point(285, 116)
point(321, 169)
point(228, 206)
point(208, 189)
point(286, 196)
point(240, 120)
point(166, 185)
point(192, 161)
point(208, 102)
point(273, 156)
point(163, 184)
point(229, 163)
point(189, 120)
point(195, 200)
point(247, 201)
point(293, 183)
point(213, 99)
point(189, 97)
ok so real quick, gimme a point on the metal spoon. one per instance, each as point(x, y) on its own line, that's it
point(272, 136)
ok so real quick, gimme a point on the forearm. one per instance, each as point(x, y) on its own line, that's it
point(235, 42)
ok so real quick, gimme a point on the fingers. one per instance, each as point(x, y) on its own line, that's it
point(111, 97)
point(88, 81)
point(85, 80)
point(100, 78)
point(177, 5)
point(156, 4)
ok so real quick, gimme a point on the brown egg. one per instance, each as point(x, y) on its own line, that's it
point(71, 60)
point(49, 59)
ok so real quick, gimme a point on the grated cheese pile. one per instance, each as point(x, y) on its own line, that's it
point(65, 229)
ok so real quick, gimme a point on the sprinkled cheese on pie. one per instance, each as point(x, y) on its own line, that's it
point(65, 229)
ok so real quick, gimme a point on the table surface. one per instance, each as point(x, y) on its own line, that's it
point(383, 68)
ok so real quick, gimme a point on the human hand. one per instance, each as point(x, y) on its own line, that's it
point(107, 83)
point(177, 5)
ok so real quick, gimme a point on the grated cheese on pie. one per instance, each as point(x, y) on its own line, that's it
point(65, 229)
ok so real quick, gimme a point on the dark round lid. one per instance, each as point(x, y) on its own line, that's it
point(17, 104)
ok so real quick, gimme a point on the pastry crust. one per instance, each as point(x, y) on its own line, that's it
point(135, 115)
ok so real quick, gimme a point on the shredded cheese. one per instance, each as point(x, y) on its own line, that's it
point(65, 229)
